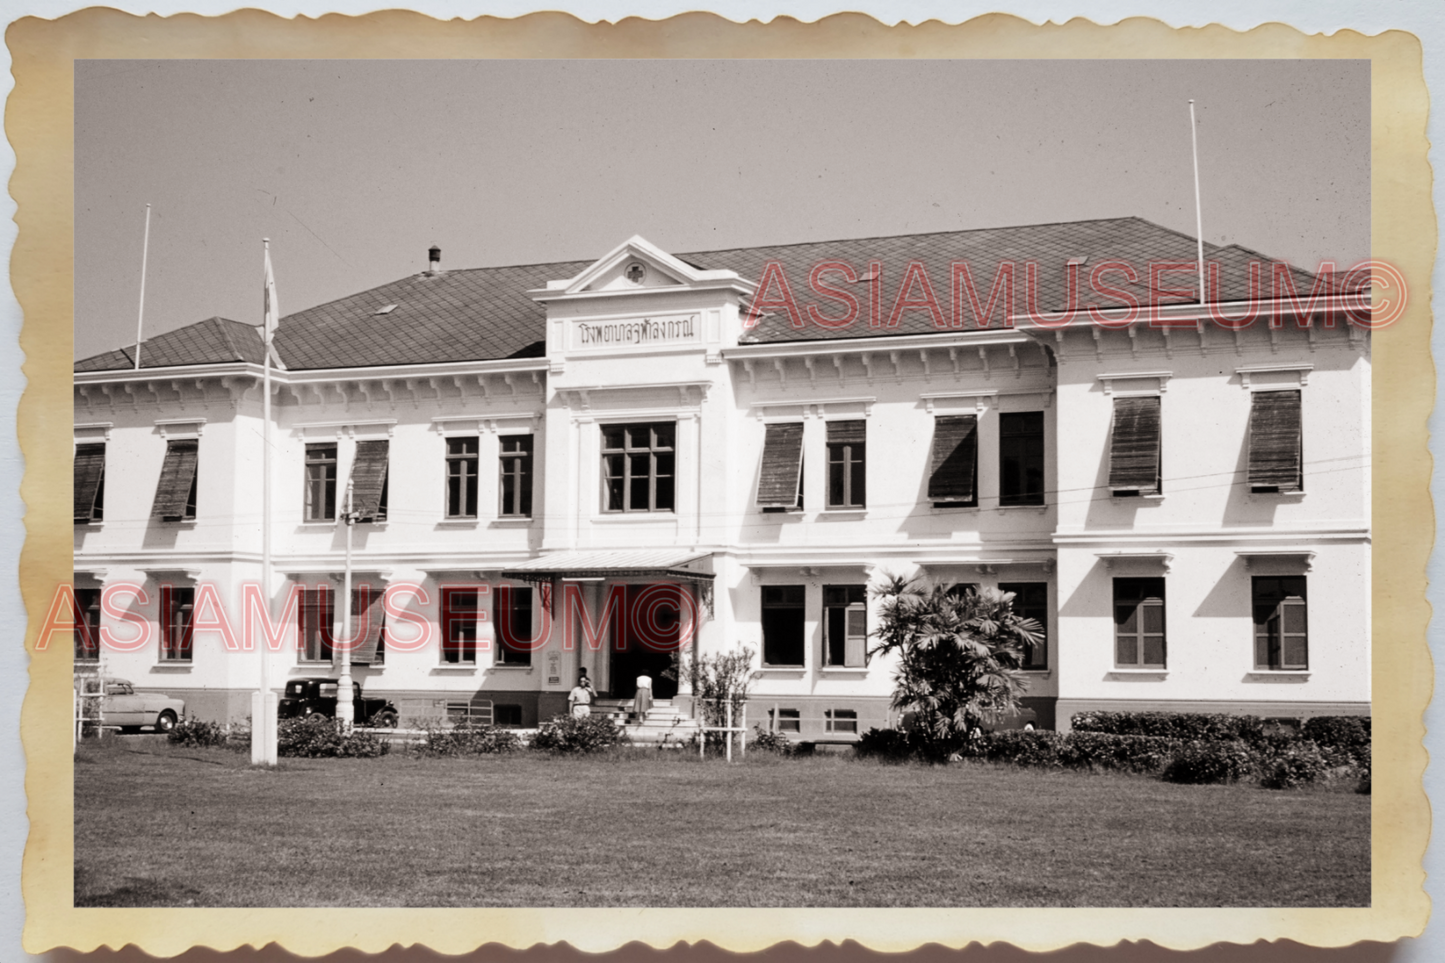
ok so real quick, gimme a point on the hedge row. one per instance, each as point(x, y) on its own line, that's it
point(1348, 733)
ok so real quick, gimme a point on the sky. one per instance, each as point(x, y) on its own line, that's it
point(354, 169)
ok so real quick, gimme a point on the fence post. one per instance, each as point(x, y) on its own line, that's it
point(729, 723)
point(701, 732)
point(743, 742)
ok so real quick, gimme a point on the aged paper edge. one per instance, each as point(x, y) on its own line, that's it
point(39, 123)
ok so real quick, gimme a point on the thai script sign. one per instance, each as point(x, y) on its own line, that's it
point(641, 332)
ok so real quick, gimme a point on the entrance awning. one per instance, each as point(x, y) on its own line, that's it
point(649, 563)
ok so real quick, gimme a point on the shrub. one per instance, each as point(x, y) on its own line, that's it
point(1296, 765)
point(766, 741)
point(1042, 747)
point(467, 741)
point(316, 736)
point(568, 734)
point(1211, 761)
point(889, 745)
point(1106, 751)
point(194, 733)
point(1348, 733)
point(1187, 726)
point(238, 736)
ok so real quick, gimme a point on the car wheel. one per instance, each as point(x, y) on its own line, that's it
point(385, 719)
point(166, 721)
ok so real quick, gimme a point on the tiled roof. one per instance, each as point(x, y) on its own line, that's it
point(212, 341)
point(484, 313)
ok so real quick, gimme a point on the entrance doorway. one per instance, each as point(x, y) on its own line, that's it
point(635, 655)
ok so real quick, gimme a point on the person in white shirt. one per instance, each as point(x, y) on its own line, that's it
point(579, 700)
point(643, 700)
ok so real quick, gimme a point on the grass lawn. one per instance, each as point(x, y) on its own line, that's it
point(158, 826)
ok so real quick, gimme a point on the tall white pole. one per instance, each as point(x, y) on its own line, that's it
point(141, 313)
point(1198, 208)
point(345, 708)
point(263, 703)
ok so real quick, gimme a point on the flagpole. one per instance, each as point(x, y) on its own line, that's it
point(1198, 208)
point(141, 314)
point(263, 703)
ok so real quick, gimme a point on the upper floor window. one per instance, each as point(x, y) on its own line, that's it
point(780, 481)
point(1139, 623)
point(1281, 623)
point(462, 477)
point(87, 624)
point(177, 618)
point(953, 474)
point(89, 483)
point(176, 492)
point(638, 467)
point(1021, 458)
point(1275, 445)
point(783, 625)
point(845, 625)
point(516, 476)
point(1134, 447)
point(847, 467)
point(369, 480)
point(320, 482)
point(1031, 601)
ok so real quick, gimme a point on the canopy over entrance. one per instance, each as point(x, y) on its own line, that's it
point(661, 564)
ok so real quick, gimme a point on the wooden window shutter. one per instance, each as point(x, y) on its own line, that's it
point(368, 477)
point(178, 473)
point(847, 432)
point(782, 466)
point(955, 452)
point(1274, 441)
point(365, 651)
point(855, 643)
point(89, 469)
point(1134, 451)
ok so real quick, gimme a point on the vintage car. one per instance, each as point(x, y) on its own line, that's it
point(317, 697)
point(124, 707)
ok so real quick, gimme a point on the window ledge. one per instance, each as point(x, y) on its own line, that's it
point(1137, 674)
point(458, 522)
point(456, 667)
point(843, 670)
point(1041, 509)
point(94, 524)
point(1277, 675)
point(951, 509)
point(784, 669)
point(511, 521)
point(844, 511)
point(634, 517)
point(512, 668)
point(1145, 497)
point(171, 666)
point(1038, 673)
point(318, 523)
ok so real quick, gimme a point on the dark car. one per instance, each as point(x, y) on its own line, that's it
point(317, 697)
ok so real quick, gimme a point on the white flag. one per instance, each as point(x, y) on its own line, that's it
point(273, 313)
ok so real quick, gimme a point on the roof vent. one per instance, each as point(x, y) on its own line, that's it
point(434, 260)
point(385, 309)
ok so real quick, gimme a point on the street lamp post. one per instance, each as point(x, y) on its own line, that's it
point(345, 708)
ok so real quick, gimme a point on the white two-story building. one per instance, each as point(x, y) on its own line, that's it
point(729, 447)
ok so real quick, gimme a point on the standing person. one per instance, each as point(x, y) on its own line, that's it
point(643, 700)
point(579, 700)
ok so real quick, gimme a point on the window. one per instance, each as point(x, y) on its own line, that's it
point(366, 604)
point(1021, 458)
point(368, 481)
point(1281, 623)
point(516, 468)
point(1134, 447)
point(786, 720)
point(509, 716)
point(176, 493)
point(1275, 455)
point(840, 720)
point(1139, 623)
point(320, 483)
point(177, 616)
point(953, 474)
point(780, 483)
point(514, 622)
point(89, 483)
point(87, 624)
point(961, 589)
point(638, 466)
point(845, 625)
point(783, 625)
point(1031, 601)
point(459, 625)
point(847, 470)
point(315, 618)
point(462, 477)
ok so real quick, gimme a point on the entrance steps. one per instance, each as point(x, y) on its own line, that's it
point(663, 723)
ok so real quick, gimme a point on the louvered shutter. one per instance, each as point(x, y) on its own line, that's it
point(847, 432)
point(1134, 451)
point(955, 448)
point(855, 623)
point(782, 466)
point(368, 477)
point(1274, 440)
point(89, 469)
point(365, 652)
point(178, 473)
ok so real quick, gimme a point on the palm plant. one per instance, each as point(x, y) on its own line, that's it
point(959, 655)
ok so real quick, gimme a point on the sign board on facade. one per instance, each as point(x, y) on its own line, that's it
point(626, 333)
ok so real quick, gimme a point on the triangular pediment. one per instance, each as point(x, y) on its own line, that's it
point(636, 265)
